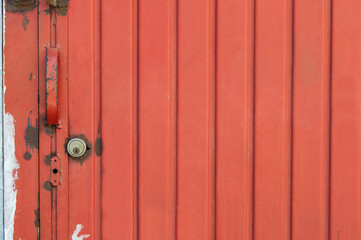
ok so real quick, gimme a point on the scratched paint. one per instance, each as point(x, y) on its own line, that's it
point(76, 232)
point(11, 167)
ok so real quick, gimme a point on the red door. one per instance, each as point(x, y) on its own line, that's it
point(182, 119)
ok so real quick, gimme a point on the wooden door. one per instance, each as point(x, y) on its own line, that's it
point(207, 119)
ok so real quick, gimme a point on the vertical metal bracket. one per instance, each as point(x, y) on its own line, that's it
point(55, 171)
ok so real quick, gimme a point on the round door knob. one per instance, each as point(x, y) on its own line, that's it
point(76, 147)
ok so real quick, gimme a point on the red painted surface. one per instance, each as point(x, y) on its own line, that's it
point(52, 86)
point(229, 119)
point(21, 101)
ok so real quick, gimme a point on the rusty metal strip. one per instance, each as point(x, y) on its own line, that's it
point(52, 86)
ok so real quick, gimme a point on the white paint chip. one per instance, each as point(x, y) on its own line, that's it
point(11, 167)
point(76, 233)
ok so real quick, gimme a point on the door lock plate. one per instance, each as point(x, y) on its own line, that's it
point(76, 147)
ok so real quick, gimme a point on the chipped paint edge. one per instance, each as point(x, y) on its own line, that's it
point(76, 232)
point(11, 167)
point(9, 163)
point(2, 18)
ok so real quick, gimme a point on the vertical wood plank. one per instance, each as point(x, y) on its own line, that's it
point(212, 111)
point(46, 134)
point(273, 101)
point(196, 120)
point(155, 121)
point(311, 120)
point(235, 93)
point(83, 57)
point(173, 118)
point(21, 125)
point(2, 234)
point(345, 210)
point(62, 193)
point(97, 165)
point(118, 120)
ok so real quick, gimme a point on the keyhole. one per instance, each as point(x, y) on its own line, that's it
point(76, 150)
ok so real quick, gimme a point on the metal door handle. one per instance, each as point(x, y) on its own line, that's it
point(52, 86)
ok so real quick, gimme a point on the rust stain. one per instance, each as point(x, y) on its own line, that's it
point(31, 137)
point(20, 5)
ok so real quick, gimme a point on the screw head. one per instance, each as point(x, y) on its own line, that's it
point(76, 147)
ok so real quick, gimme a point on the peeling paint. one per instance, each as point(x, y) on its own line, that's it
point(20, 5)
point(37, 222)
point(2, 204)
point(37, 218)
point(31, 136)
point(25, 21)
point(11, 167)
point(48, 186)
point(98, 146)
point(47, 160)
point(58, 3)
point(47, 11)
point(27, 156)
point(62, 11)
point(61, 7)
point(76, 232)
